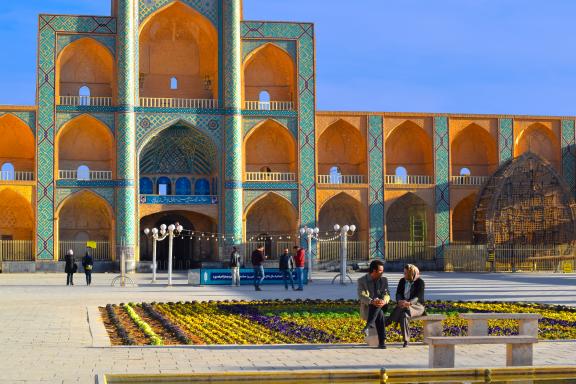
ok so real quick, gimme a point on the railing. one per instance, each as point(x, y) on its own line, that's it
point(87, 101)
point(330, 251)
point(270, 176)
point(341, 179)
point(103, 251)
point(477, 258)
point(16, 176)
point(275, 247)
point(154, 102)
point(269, 105)
point(409, 251)
point(468, 180)
point(408, 180)
point(16, 250)
point(93, 175)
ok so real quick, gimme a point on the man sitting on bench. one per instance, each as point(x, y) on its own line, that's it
point(374, 296)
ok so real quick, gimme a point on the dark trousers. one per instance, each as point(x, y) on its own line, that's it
point(376, 319)
point(69, 278)
point(88, 277)
point(287, 275)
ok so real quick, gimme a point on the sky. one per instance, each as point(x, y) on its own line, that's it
point(456, 56)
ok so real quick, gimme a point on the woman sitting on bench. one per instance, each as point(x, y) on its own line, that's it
point(409, 299)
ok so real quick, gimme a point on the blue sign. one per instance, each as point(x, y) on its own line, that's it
point(178, 200)
point(224, 276)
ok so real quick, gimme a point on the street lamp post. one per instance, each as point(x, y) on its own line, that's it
point(161, 235)
point(344, 251)
point(311, 233)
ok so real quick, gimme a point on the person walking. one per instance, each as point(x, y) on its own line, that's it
point(88, 265)
point(258, 258)
point(70, 267)
point(286, 268)
point(235, 264)
point(300, 262)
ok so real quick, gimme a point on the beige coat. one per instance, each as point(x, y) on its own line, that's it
point(367, 291)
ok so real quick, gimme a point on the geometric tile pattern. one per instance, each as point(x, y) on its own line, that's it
point(505, 139)
point(569, 154)
point(208, 8)
point(106, 193)
point(28, 117)
point(250, 196)
point(49, 26)
point(290, 123)
point(94, 183)
point(442, 190)
point(376, 185)
point(106, 118)
point(248, 46)
point(107, 41)
point(269, 186)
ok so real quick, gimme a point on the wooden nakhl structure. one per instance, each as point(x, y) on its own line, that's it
point(525, 203)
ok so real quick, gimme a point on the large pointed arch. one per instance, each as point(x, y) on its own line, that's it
point(178, 42)
point(17, 218)
point(85, 62)
point(17, 145)
point(270, 145)
point(271, 69)
point(475, 149)
point(86, 141)
point(271, 213)
point(344, 209)
point(409, 219)
point(540, 140)
point(463, 219)
point(409, 146)
point(342, 145)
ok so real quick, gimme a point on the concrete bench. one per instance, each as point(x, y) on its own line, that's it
point(432, 327)
point(478, 322)
point(519, 349)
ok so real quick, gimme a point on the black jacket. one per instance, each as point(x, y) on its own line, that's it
point(286, 262)
point(69, 268)
point(417, 291)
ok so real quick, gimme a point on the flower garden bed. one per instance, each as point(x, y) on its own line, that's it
point(300, 322)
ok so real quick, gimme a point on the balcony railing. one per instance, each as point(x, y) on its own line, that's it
point(93, 175)
point(269, 105)
point(16, 250)
point(153, 102)
point(341, 179)
point(270, 176)
point(468, 180)
point(408, 180)
point(16, 176)
point(86, 101)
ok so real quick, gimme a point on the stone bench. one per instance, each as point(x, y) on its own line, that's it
point(519, 349)
point(432, 327)
point(478, 322)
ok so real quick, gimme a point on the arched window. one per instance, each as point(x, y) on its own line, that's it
point(264, 101)
point(174, 83)
point(265, 170)
point(335, 175)
point(146, 186)
point(164, 186)
point(465, 172)
point(7, 172)
point(401, 175)
point(84, 94)
point(83, 173)
point(202, 187)
point(183, 186)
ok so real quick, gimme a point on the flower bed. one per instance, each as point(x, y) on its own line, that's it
point(310, 321)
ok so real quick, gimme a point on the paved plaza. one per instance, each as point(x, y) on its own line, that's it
point(46, 336)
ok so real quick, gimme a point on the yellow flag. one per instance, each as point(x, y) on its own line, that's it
point(91, 244)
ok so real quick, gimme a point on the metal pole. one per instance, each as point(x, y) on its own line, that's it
point(170, 240)
point(154, 259)
point(309, 258)
point(343, 251)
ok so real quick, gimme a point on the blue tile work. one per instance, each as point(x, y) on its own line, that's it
point(291, 124)
point(569, 154)
point(106, 193)
point(48, 29)
point(505, 139)
point(442, 190)
point(28, 117)
point(250, 45)
point(107, 119)
point(303, 34)
point(376, 185)
point(94, 183)
point(178, 200)
point(107, 41)
point(269, 186)
point(207, 8)
point(251, 196)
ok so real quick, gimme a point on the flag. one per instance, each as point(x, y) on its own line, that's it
point(91, 244)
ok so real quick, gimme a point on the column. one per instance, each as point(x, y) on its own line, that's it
point(232, 99)
point(442, 189)
point(376, 186)
point(127, 48)
point(569, 154)
point(505, 140)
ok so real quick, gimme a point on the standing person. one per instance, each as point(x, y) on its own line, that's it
point(409, 299)
point(300, 262)
point(69, 267)
point(287, 267)
point(235, 264)
point(374, 296)
point(88, 264)
point(258, 258)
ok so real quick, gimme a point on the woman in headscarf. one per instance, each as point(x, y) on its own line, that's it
point(409, 300)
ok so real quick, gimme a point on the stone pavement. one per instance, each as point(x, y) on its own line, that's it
point(46, 338)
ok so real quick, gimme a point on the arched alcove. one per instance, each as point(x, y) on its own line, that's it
point(540, 140)
point(409, 146)
point(463, 219)
point(343, 146)
point(474, 149)
point(271, 214)
point(17, 144)
point(17, 216)
point(270, 145)
point(343, 209)
point(409, 219)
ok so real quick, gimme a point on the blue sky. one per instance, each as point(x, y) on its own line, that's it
point(469, 56)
